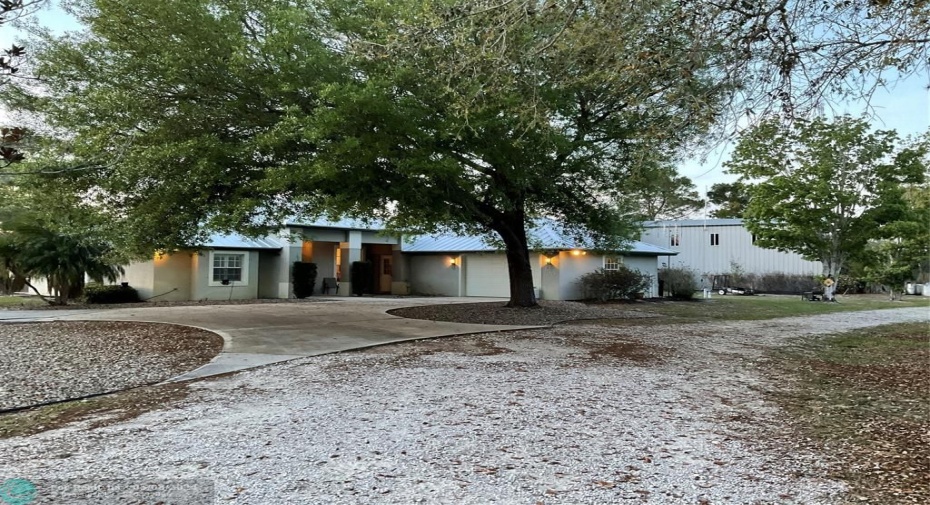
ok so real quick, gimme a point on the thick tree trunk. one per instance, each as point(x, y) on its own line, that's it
point(513, 232)
point(833, 264)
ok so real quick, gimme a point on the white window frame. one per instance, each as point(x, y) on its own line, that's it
point(245, 268)
point(714, 239)
point(612, 263)
point(674, 240)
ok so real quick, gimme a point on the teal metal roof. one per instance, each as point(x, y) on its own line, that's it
point(236, 241)
point(545, 235)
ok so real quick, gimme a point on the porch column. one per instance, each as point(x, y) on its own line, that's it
point(400, 284)
point(290, 252)
point(351, 251)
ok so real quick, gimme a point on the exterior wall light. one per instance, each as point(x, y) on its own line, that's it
point(453, 262)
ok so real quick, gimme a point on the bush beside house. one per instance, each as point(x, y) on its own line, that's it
point(679, 283)
point(304, 278)
point(621, 283)
point(362, 275)
point(100, 294)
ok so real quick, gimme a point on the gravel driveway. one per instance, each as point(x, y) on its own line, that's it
point(579, 413)
point(52, 361)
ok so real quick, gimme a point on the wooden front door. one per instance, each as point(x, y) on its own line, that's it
point(386, 273)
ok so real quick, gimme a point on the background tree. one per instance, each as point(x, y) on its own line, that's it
point(730, 199)
point(901, 251)
point(474, 116)
point(30, 249)
point(658, 192)
point(824, 188)
point(808, 51)
point(10, 61)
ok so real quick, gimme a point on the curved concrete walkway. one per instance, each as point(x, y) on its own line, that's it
point(260, 334)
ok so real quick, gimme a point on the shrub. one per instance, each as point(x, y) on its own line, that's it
point(617, 284)
point(303, 277)
point(362, 275)
point(849, 284)
point(98, 293)
point(781, 283)
point(680, 283)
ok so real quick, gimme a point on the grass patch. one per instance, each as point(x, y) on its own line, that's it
point(20, 301)
point(100, 411)
point(746, 308)
point(863, 397)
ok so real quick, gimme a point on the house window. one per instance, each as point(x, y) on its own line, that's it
point(753, 238)
point(612, 262)
point(674, 241)
point(228, 266)
point(714, 239)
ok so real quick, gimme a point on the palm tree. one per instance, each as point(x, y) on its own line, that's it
point(29, 249)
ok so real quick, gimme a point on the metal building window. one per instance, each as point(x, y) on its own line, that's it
point(714, 239)
point(674, 241)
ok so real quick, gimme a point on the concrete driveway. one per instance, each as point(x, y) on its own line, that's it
point(259, 334)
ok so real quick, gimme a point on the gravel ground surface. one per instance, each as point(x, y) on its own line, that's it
point(575, 414)
point(51, 361)
point(548, 312)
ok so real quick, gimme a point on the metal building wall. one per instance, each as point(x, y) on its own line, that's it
point(735, 247)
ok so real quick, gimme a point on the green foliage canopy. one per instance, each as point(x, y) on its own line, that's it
point(478, 116)
point(471, 117)
point(729, 198)
point(30, 249)
point(825, 189)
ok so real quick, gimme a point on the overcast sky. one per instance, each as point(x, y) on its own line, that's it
point(905, 108)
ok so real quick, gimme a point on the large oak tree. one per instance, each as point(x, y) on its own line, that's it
point(473, 116)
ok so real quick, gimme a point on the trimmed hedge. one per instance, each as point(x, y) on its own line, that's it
point(679, 283)
point(362, 276)
point(304, 277)
point(622, 283)
point(100, 294)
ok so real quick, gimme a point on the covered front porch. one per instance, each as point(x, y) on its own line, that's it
point(334, 249)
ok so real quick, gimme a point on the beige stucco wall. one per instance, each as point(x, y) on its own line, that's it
point(549, 275)
point(172, 278)
point(201, 275)
point(571, 268)
point(324, 255)
point(646, 265)
point(270, 264)
point(432, 275)
point(141, 276)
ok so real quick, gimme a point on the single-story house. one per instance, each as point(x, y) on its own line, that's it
point(235, 267)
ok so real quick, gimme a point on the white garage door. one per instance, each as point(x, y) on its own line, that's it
point(486, 275)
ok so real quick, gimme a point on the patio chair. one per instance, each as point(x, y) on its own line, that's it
point(330, 283)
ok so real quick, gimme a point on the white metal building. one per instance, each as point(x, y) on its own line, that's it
point(719, 246)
